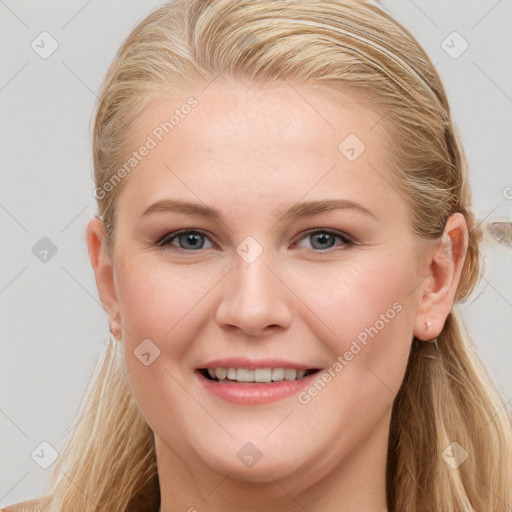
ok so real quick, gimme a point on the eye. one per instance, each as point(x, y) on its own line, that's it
point(325, 239)
point(190, 239)
point(187, 239)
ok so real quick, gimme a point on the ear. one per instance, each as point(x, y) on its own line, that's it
point(443, 267)
point(102, 264)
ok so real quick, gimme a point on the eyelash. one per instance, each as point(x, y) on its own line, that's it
point(347, 241)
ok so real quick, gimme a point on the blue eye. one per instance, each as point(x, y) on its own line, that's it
point(187, 239)
point(190, 240)
point(325, 239)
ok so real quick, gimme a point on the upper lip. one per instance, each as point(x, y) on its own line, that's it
point(253, 364)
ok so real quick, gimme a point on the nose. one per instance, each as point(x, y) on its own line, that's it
point(254, 298)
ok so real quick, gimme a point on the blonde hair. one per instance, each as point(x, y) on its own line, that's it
point(109, 460)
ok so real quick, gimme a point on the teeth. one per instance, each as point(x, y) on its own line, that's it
point(220, 373)
point(263, 375)
point(278, 374)
point(257, 375)
point(290, 374)
point(244, 375)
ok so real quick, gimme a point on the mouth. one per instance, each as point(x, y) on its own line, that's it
point(256, 375)
point(258, 385)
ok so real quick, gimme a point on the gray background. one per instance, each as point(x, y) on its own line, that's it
point(53, 326)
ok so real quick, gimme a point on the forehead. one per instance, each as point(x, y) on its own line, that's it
point(274, 142)
point(224, 111)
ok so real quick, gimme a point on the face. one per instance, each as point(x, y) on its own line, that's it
point(264, 272)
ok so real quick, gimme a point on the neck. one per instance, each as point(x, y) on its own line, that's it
point(357, 483)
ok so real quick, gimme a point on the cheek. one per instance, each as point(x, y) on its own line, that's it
point(350, 296)
point(155, 297)
point(160, 308)
point(163, 308)
point(366, 306)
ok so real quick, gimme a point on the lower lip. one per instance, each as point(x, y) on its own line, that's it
point(254, 393)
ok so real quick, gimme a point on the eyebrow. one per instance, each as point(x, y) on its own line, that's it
point(304, 209)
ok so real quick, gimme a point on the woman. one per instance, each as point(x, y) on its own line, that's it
point(284, 229)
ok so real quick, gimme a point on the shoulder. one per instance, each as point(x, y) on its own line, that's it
point(37, 504)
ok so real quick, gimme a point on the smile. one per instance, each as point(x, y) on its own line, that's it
point(242, 381)
point(247, 375)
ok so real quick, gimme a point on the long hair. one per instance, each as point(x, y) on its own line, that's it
point(447, 403)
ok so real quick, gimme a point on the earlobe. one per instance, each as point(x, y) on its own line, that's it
point(439, 289)
point(102, 265)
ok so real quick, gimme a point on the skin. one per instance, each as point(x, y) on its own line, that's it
point(250, 151)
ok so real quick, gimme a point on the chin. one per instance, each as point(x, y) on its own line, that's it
point(262, 472)
point(257, 462)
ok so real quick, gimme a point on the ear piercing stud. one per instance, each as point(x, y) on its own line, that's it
point(428, 323)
